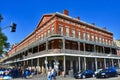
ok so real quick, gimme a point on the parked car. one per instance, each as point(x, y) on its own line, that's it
point(97, 71)
point(84, 74)
point(105, 73)
point(118, 70)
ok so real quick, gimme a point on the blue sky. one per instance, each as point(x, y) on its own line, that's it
point(27, 14)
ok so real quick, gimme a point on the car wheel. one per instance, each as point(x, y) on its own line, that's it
point(83, 76)
point(116, 75)
point(106, 76)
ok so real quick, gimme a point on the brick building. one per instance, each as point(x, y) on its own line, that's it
point(117, 42)
point(65, 43)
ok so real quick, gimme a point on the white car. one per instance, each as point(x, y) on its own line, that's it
point(98, 70)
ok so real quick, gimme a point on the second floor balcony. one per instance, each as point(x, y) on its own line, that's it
point(66, 52)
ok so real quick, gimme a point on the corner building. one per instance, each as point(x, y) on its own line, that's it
point(65, 43)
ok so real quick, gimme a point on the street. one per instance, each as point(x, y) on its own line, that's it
point(43, 77)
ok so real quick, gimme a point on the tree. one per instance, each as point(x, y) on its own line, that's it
point(4, 45)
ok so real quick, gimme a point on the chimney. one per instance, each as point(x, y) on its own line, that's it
point(66, 12)
point(78, 18)
point(93, 24)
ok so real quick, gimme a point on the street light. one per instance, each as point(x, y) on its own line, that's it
point(1, 18)
point(12, 26)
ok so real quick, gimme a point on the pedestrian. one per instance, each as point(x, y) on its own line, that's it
point(49, 75)
point(53, 74)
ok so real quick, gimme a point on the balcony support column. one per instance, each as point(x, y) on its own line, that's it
point(79, 64)
point(105, 63)
point(112, 63)
point(110, 50)
point(46, 62)
point(84, 48)
point(31, 62)
point(46, 45)
point(85, 63)
point(96, 64)
point(38, 62)
point(38, 47)
point(118, 63)
point(71, 64)
point(64, 62)
point(103, 49)
point(23, 63)
point(63, 45)
point(78, 46)
point(94, 48)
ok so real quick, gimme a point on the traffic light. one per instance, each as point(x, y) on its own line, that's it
point(13, 27)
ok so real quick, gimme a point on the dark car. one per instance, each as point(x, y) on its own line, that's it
point(105, 73)
point(84, 74)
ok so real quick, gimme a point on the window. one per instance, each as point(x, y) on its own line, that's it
point(60, 30)
point(109, 42)
point(100, 39)
point(96, 39)
point(52, 29)
point(41, 36)
point(73, 33)
point(60, 44)
point(48, 32)
point(79, 34)
point(67, 31)
point(88, 36)
point(103, 40)
point(106, 41)
point(74, 46)
point(44, 34)
point(67, 45)
point(83, 35)
point(92, 37)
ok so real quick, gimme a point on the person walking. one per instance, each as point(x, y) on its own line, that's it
point(53, 74)
point(49, 77)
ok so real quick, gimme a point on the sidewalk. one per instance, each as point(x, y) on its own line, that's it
point(44, 77)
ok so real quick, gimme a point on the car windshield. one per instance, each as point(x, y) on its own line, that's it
point(86, 71)
point(98, 70)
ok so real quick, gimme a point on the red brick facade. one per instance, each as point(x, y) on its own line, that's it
point(54, 21)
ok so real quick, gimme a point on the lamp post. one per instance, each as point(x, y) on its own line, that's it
point(1, 18)
point(12, 26)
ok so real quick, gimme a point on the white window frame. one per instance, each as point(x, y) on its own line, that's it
point(83, 35)
point(92, 37)
point(49, 32)
point(79, 34)
point(60, 29)
point(73, 32)
point(67, 31)
point(52, 29)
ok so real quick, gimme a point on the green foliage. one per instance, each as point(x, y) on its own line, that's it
point(4, 45)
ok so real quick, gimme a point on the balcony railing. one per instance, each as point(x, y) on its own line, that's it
point(64, 52)
point(68, 51)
